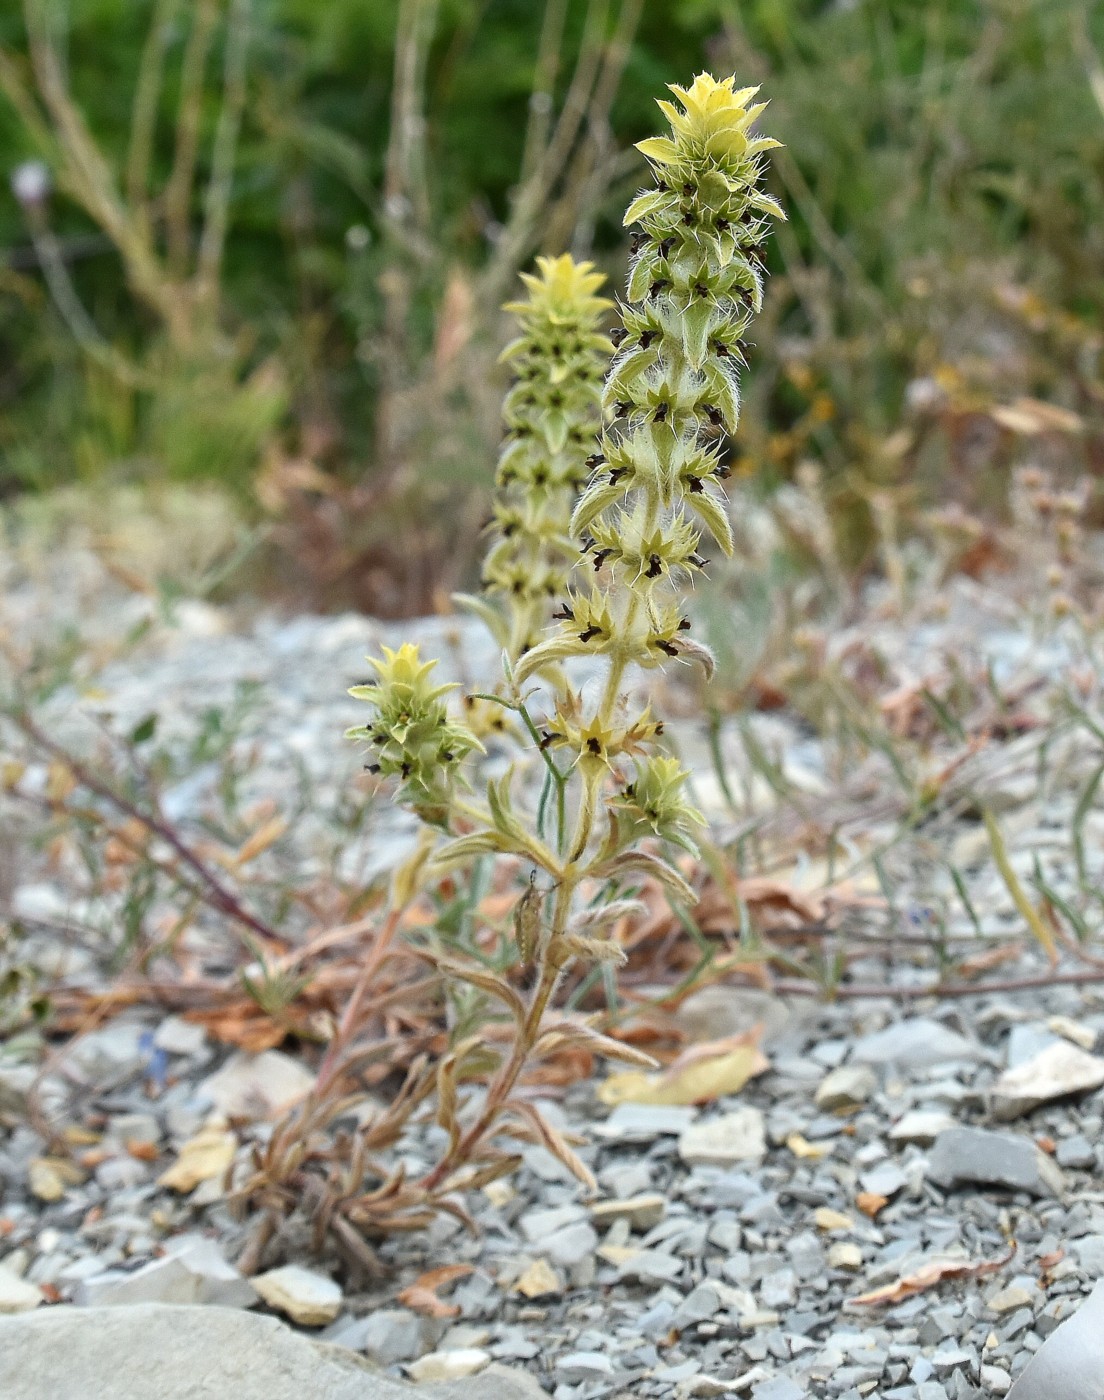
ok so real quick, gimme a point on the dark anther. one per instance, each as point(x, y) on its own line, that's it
point(723, 225)
point(655, 566)
point(694, 483)
point(659, 727)
point(657, 286)
point(546, 739)
point(688, 188)
point(371, 767)
point(448, 757)
point(540, 476)
point(684, 624)
point(590, 632)
point(630, 791)
point(637, 241)
point(600, 557)
point(406, 770)
point(616, 473)
point(698, 562)
point(510, 528)
point(586, 544)
point(668, 647)
point(594, 746)
point(700, 289)
point(660, 414)
point(721, 349)
point(664, 248)
point(621, 409)
point(595, 460)
point(618, 336)
point(517, 588)
point(715, 416)
point(723, 471)
point(646, 338)
point(564, 615)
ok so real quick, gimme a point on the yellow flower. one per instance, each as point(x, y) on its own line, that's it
point(713, 124)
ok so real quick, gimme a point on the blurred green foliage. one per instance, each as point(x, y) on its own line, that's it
point(943, 173)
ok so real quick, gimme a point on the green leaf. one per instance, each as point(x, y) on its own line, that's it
point(144, 730)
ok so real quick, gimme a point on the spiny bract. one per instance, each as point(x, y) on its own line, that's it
point(552, 414)
point(411, 732)
point(672, 391)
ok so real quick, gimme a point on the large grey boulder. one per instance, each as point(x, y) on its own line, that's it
point(1070, 1363)
point(155, 1351)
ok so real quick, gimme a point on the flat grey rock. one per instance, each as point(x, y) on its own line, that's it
point(197, 1353)
point(975, 1156)
point(914, 1043)
point(1070, 1363)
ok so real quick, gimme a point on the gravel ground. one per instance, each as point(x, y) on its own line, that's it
point(730, 1243)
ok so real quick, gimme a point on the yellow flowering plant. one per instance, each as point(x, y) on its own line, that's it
point(618, 556)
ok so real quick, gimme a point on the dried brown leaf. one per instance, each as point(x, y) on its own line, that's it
point(421, 1295)
point(930, 1275)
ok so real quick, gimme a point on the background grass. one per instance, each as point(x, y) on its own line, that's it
point(943, 172)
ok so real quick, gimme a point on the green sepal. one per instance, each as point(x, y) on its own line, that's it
point(713, 515)
point(697, 322)
point(594, 501)
point(646, 203)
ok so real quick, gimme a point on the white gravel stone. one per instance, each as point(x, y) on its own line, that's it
point(996, 1380)
point(642, 1212)
point(1057, 1072)
point(306, 1297)
point(850, 1086)
point(921, 1126)
point(453, 1364)
point(179, 1037)
point(257, 1086)
point(16, 1294)
point(739, 1136)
